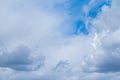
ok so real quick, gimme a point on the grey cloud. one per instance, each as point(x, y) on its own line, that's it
point(20, 59)
point(106, 56)
point(102, 76)
point(61, 71)
point(111, 56)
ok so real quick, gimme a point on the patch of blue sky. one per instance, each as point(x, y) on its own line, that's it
point(77, 16)
point(74, 8)
point(80, 26)
point(78, 4)
point(96, 7)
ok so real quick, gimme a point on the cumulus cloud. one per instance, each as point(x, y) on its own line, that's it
point(59, 42)
point(106, 56)
point(20, 59)
point(44, 28)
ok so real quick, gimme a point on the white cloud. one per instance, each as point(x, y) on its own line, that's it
point(42, 26)
point(105, 59)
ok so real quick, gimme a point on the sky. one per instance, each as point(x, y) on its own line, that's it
point(59, 40)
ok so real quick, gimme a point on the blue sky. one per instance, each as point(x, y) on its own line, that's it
point(59, 40)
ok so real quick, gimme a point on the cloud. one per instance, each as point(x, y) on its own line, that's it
point(44, 28)
point(20, 59)
point(60, 43)
point(106, 56)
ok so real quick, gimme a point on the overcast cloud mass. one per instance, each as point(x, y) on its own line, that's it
point(59, 40)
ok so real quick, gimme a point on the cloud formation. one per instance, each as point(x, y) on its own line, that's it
point(20, 59)
point(59, 40)
point(106, 58)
